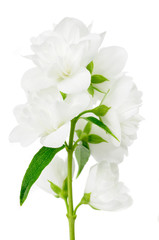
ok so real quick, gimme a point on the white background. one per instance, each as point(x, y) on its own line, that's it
point(133, 25)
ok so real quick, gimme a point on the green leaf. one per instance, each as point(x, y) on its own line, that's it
point(55, 188)
point(95, 139)
point(41, 159)
point(101, 125)
point(79, 133)
point(82, 155)
point(100, 111)
point(90, 67)
point(64, 95)
point(87, 128)
point(91, 90)
point(98, 79)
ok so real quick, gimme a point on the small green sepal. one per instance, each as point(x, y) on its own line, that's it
point(86, 198)
point(55, 188)
point(61, 193)
point(95, 139)
point(79, 133)
point(64, 192)
point(85, 144)
point(87, 128)
point(65, 185)
point(64, 95)
point(96, 79)
point(101, 110)
point(91, 90)
point(84, 137)
point(90, 67)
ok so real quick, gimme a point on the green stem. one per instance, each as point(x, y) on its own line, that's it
point(66, 204)
point(75, 144)
point(70, 215)
point(77, 207)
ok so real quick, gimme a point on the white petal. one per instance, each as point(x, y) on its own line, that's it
point(56, 172)
point(107, 152)
point(112, 121)
point(110, 61)
point(91, 180)
point(77, 103)
point(119, 92)
point(41, 38)
point(24, 135)
point(90, 45)
point(84, 52)
point(114, 205)
point(34, 80)
point(71, 29)
point(19, 112)
point(114, 199)
point(90, 26)
point(56, 138)
point(76, 83)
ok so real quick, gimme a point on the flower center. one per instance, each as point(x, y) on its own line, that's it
point(63, 75)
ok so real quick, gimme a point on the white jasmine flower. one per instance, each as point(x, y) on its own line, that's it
point(62, 56)
point(122, 118)
point(47, 116)
point(107, 193)
point(55, 172)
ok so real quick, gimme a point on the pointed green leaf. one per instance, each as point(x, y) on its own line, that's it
point(87, 128)
point(101, 110)
point(41, 159)
point(64, 95)
point(90, 67)
point(101, 125)
point(82, 155)
point(96, 79)
point(55, 188)
point(95, 139)
point(91, 90)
